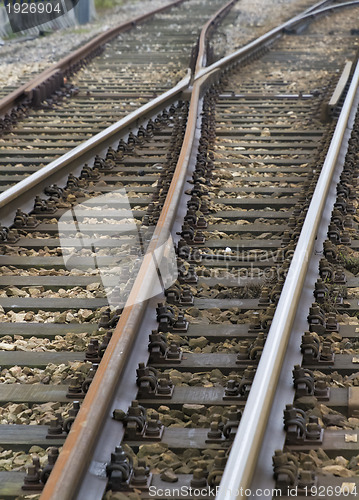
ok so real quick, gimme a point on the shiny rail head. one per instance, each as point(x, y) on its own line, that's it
point(105, 229)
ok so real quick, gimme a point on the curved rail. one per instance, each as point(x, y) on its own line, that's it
point(268, 38)
point(22, 93)
point(211, 23)
point(70, 465)
point(65, 478)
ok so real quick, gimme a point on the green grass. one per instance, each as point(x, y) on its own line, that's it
point(350, 262)
point(108, 4)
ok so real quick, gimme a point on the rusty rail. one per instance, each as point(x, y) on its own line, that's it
point(65, 477)
point(206, 31)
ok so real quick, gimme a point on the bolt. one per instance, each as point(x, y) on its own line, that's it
point(198, 479)
point(139, 477)
point(214, 432)
point(174, 351)
point(153, 427)
point(163, 386)
point(55, 427)
point(231, 389)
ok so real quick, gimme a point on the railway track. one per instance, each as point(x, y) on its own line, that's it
point(234, 215)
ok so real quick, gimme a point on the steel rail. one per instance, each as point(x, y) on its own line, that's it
point(268, 38)
point(65, 478)
point(22, 93)
point(23, 192)
point(247, 443)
